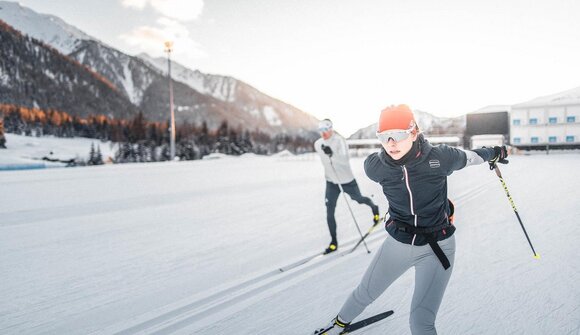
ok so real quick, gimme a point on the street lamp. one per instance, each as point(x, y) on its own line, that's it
point(169, 49)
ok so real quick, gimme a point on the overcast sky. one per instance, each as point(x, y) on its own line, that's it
point(347, 59)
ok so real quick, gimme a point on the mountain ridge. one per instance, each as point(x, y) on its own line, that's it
point(427, 122)
point(200, 98)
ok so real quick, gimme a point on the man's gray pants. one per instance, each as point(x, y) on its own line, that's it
point(391, 261)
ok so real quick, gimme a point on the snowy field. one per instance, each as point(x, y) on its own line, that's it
point(26, 152)
point(194, 248)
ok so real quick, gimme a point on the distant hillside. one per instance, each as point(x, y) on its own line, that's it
point(142, 81)
point(34, 74)
point(428, 123)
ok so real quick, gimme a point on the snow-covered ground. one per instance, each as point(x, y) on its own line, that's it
point(194, 248)
point(26, 152)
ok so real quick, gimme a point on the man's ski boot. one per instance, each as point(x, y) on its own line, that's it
point(335, 327)
point(376, 216)
point(331, 248)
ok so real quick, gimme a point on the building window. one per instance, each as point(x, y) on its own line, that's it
point(570, 139)
point(571, 119)
point(552, 139)
point(516, 122)
point(533, 121)
point(535, 139)
point(553, 120)
point(517, 140)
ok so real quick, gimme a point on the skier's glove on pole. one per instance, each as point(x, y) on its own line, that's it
point(327, 150)
point(500, 154)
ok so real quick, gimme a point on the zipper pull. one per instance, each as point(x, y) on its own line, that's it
point(403, 170)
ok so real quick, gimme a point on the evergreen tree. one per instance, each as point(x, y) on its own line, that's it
point(223, 142)
point(92, 155)
point(137, 128)
point(99, 156)
point(2, 138)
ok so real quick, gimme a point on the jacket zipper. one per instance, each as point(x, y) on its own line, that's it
point(406, 177)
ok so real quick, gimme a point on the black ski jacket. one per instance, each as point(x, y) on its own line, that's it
point(417, 190)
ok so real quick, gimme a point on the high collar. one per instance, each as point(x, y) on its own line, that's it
point(412, 155)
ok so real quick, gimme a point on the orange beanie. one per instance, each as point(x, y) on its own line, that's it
point(396, 117)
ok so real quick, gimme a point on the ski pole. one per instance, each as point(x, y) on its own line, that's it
point(348, 205)
point(365, 236)
point(498, 173)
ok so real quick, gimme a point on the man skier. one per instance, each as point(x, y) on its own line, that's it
point(413, 175)
point(333, 152)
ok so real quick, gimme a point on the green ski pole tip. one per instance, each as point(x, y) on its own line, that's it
point(537, 256)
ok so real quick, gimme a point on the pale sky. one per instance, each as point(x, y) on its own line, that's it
point(347, 59)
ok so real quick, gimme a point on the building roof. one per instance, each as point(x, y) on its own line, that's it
point(486, 136)
point(443, 139)
point(363, 142)
point(569, 97)
point(493, 109)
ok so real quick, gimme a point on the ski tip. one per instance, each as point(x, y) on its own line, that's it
point(537, 256)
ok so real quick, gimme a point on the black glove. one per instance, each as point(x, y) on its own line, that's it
point(327, 150)
point(500, 153)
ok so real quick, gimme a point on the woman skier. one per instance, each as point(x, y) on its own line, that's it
point(413, 175)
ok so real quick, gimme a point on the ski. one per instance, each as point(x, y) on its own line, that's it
point(368, 321)
point(319, 255)
point(300, 262)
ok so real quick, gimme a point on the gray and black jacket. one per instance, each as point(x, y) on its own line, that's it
point(339, 172)
point(416, 185)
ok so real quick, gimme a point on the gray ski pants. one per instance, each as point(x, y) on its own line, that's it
point(390, 262)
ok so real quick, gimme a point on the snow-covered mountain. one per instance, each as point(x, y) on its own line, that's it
point(129, 74)
point(219, 87)
point(428, 123)
point(568, 97)
point(34, 75)
point(47, 28)
point(255, 109)
point(142, 80)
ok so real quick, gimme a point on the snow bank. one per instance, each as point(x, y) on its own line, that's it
point(24, 152)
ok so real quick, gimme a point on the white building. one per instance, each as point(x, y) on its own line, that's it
point(487, 140)
point(552, 120)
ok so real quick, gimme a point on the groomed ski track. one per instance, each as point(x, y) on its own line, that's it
point(192, 248)
point(203, 311)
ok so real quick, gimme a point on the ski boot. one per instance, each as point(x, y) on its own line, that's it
point(331, 248)
point(335, 327)
point(376, 216)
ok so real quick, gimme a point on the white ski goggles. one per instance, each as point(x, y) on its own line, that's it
point(395, 135)
point(323, 129)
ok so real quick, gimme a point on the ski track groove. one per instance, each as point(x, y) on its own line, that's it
point(171, 321)
point(235, 295)
point(37, 216)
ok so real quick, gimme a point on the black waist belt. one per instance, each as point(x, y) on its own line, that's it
point(430, 235)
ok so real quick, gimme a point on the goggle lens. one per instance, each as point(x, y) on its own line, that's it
point(397, 136)
point(324, 129)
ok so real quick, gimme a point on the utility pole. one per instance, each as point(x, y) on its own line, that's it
point(169, 49)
